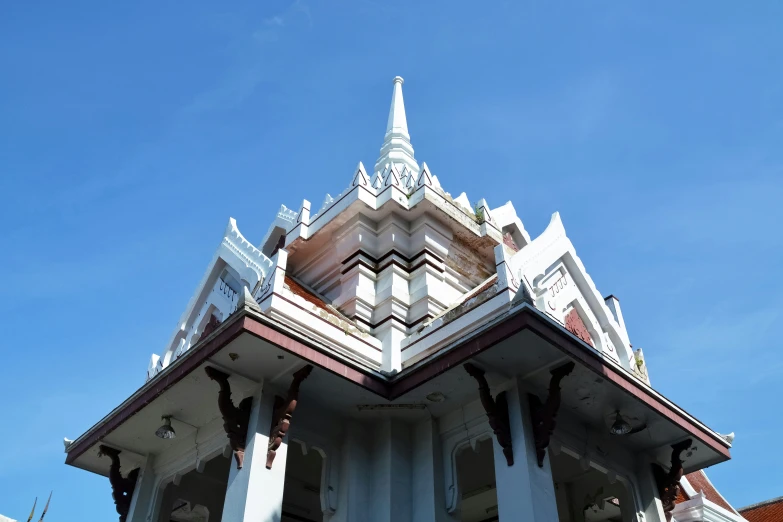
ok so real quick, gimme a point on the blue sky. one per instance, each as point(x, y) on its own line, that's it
point(129, 133)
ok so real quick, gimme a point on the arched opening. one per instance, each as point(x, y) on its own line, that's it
point(585, 493)
point(476, 478)
point(196, 496)
point(302, 489)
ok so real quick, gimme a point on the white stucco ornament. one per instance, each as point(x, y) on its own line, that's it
point(389, 281)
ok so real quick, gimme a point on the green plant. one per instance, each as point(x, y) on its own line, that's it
point(639, 361)
point(479, 211)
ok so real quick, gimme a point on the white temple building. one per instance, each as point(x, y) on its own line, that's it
point(400, 354)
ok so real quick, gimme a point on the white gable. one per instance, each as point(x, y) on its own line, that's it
point(560, 284)
point(394, 258)
point(235, 264)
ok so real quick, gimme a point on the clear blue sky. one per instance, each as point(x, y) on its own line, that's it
point(130, 132)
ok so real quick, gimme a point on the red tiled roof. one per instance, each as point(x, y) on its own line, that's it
point(700, 482)
point(767, 511)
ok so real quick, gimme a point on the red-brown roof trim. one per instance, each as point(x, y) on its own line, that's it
point(265, 329)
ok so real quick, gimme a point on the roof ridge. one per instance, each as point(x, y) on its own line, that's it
point(761, 504)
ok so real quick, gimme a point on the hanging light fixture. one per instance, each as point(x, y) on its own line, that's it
point(620, 427)
point(166, 431)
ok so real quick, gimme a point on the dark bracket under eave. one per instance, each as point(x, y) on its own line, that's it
point(497, 412)
point(543, 415)
point(669, 483)
point(121, 487)
point(235, 419)
point(283, 413)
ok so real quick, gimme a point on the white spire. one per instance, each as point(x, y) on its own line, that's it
point(397, 123)
point(397, 146)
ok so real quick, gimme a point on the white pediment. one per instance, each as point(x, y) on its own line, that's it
point(235, 264)
point(560, 284)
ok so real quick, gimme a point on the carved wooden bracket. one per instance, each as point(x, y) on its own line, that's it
point(284, 410)
point(544, 415)
point(122, 487)
point(669, 483)
point(497, 412)
point(235, 419)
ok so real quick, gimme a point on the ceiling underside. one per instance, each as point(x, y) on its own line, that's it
point(587, 397)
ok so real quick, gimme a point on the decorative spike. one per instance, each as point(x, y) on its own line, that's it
point(46, 507)
point(328, 200)
point(404, 175)
point(425, 180)
point(33, 511)
point(410, 181)
point(246, 300)
point(435, 182)
point(392, 177)
point(360, 177)
point(377, 181)
point(463, 201)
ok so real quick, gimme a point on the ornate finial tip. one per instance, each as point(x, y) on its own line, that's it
point(398, 79)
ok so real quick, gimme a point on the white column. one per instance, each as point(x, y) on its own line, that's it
point(390, 482)
point(353, 495)
point(428, 497)
point(391, 334)
point(525, 491)
point(143, 494)
point(164, 500)
point(648, 489)
point(255, 493)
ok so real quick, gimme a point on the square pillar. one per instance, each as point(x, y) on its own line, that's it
point(648, 490)
point(353, 500)
point(255, 493)
point(525, 491)
point(428, 499)
point(144, 493)
point(390, 468)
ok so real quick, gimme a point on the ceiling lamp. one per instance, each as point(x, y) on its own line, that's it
point(166, 431)
point(620, 427)
point(436, 397)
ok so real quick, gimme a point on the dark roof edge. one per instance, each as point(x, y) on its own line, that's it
point(760, 504)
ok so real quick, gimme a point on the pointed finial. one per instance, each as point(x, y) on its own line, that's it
point(360, 176)
point(33, 511)
point(397, 121)
point(246, 301)
point(46, 507)
point(397, 146)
